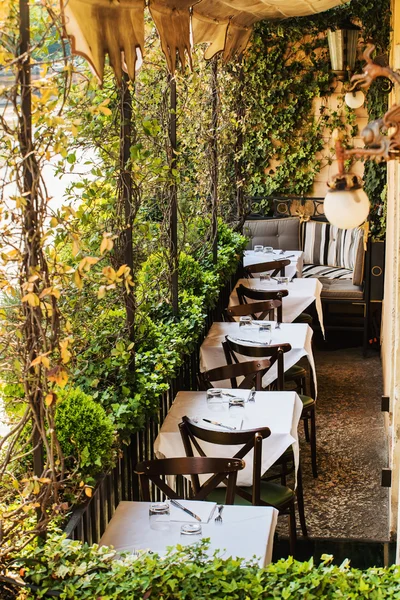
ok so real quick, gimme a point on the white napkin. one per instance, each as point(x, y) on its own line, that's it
point(202, 509)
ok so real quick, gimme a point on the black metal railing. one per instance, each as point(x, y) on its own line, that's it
point(88, 522)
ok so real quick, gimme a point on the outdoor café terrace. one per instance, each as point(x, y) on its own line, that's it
point(199, 336)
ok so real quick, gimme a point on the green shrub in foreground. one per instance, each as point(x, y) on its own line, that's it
point(83, 572)
point(84, 431)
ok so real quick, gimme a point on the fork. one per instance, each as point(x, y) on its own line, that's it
point(218, 518)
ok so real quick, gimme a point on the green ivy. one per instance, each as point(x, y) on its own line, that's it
point(81, 572)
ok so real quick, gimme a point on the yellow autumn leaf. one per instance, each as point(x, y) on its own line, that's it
point(102, 292)
point(65, 355)
point(75, 247)
point(58, 375)
point(88, 491)
point(105, 111)
point(54, 222)
point(109, 273)
point(68, 326)
point(49, 399)
point(36, 361)
point(32, 299)
point(78, 280)
point(45, 362)
point(103, 245)
point(122, 270)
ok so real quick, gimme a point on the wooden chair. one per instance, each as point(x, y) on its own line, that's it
point(261, 493)
point(252, 373)
point(276, 266)
point(223, 469)
point(244, 293)
point(258, 310)
point(275, 353)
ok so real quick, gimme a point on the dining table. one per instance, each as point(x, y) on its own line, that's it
point(301, 294)
point(280, 411)
point(298, 335)
point(295, 269)
point(244, 532)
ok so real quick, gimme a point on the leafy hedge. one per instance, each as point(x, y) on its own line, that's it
point(162, 341)
point(81, 572)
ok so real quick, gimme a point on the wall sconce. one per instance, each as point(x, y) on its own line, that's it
point(346, 204)
point(342, 44)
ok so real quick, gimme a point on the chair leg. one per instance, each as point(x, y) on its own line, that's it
point(306, 432)
point(292, 529)
point(313, 444)
point(300, 502)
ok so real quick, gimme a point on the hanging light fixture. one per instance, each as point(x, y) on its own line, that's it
point(346, 205)
point(354, 99)
point(342, 44)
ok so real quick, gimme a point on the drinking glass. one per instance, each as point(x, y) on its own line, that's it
point(258, 248)
point(264, 333)
point(268, 249)
point(191, 529)
point(245, 321)
point(282, 280)
point(265, 277)
point(214, 396)
point(236, 407)
point(159, 516)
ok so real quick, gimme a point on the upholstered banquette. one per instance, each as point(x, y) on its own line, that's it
point(335, 256)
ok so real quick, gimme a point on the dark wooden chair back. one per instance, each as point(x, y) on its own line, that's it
point(223, 469)
point(276, 266)
point(252, 373)
point(275, 353)
point(258, 310)
point(250, 439)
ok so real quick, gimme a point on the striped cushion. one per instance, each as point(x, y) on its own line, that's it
point(325, 244)
point(328, 272)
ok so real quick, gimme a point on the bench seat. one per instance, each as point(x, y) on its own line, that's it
point(327, 272)
point(341, 289)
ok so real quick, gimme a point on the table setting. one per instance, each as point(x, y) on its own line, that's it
point(301, 293)
point(280, 411)
point(237, 531)
point(261, 254)
point(298, 335)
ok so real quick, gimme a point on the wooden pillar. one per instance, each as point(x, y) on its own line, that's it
point(173, 224)
point(214, 157)
point(30, 183)
point(125, 184)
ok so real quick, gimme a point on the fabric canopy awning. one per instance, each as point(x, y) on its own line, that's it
point(116, 27)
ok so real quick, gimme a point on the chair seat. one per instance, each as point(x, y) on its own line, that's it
point(304, 318)
point(306, 400)
point(295, 372)
point(273, 494)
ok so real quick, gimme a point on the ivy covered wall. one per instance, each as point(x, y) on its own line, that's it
point(279, 104)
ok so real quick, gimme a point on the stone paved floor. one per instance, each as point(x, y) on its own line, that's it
point(347, 500)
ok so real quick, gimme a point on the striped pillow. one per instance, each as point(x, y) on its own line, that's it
point(325, 244)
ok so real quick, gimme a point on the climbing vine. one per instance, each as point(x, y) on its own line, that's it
point(284, 88)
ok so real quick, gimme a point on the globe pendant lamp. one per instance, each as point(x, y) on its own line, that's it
point(342, 44)
point(346, 205)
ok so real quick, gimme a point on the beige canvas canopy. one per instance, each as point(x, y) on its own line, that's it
point(116, 27)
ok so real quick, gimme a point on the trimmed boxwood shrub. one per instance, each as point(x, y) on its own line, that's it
point(81, 572)
point(84, 431)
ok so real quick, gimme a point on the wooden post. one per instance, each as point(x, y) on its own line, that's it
point(125, 184)
point(31, 242)
point(173, 199)
point(214, 156)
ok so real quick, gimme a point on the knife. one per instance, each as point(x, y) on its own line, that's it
point(186, 510)
point(219, 424)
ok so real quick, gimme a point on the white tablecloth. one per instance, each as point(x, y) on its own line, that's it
point(302, 293)
point(295, 256)
point(246, 531)
point(280, 411)
point(298, 335)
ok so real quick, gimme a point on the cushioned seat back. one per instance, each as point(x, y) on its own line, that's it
point(279, 233)
point(325, 244)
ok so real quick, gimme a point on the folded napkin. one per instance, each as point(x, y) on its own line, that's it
point(202, 509)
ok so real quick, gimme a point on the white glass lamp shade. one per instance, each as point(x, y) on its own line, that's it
point(346, 209)
point(354, 99)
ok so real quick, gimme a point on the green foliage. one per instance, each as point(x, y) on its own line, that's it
point(81, 572)
point(84, 431)
point(270, 101)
